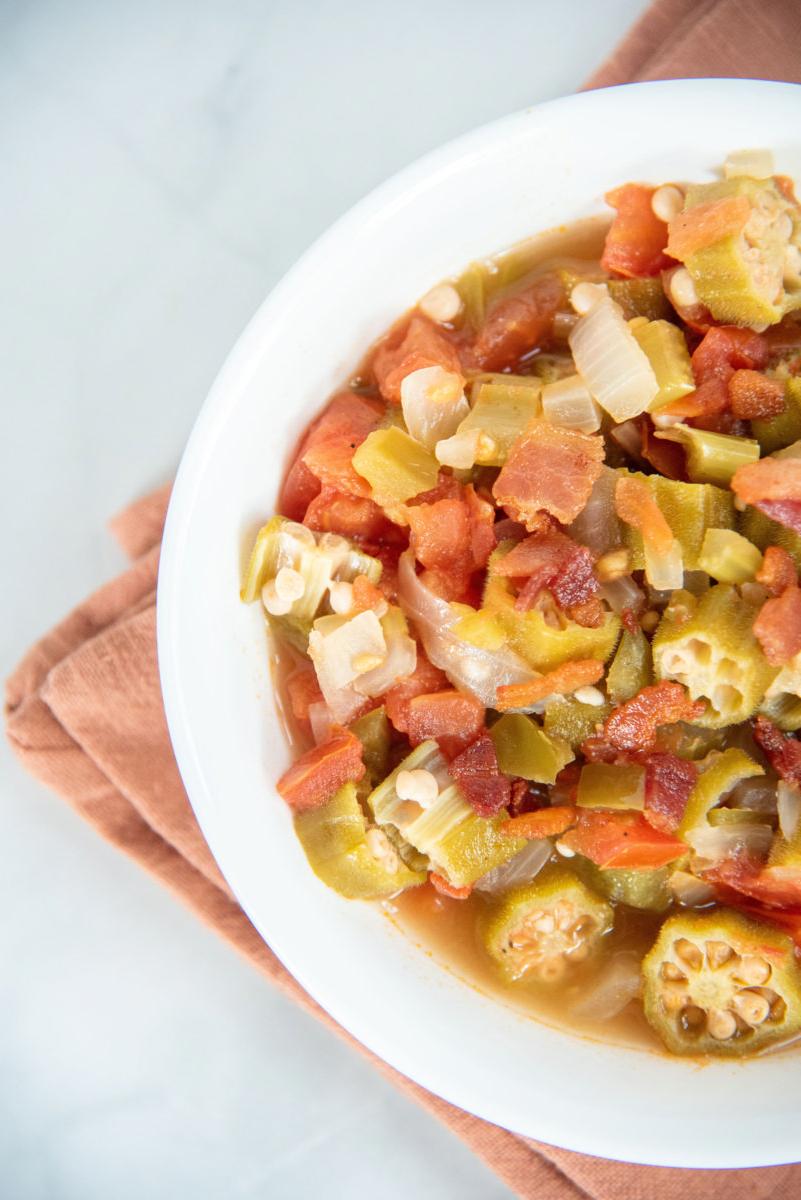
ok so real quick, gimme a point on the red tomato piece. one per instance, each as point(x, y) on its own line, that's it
point(778, 626)
point(409, 347)
point(704, 224)
point(777, 571)
point(622, 840)
point(560, 681)
point(325, 451)
point(303, 690)
point(636, 241)
point(358, 517)
point(450, 717)
point(453, 537)
point(425, 678)
point(515, 325)
point(545, 822)
point(446, 888)
point(313, 778)
point(753, 395)
point(767, 480)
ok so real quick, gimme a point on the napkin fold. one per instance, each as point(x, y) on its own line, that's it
point(84, 710)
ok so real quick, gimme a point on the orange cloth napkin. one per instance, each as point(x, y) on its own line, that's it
point(84, 709)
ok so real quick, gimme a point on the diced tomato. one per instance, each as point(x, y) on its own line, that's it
point(560, 681)
point(549, 468)
point(771, 886)
point(786, 919)
point(453, 537)
point(634, 504)
point(629, 619)
point(357, 517)
point(753, 395)
point(778, 626)
point(726, 349)
point(768, 479)
point(479, 778)
point(298, 490)
point(425, 678)
point(303, 689)
point(550, 560)
point(366, 595)
point(621, 840)
point(636, 241)
point(704, 224)
point(545, 822)
point(668, 783)
point(515, 325)
point(327, 448)
point(783, 751)
point(703, 406)
point(633, 724)
point(313, 778)
point(409, 347)
point(450, 717)
point(446, 888)
point(777, 571)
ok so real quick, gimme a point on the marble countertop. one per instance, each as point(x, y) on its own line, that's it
point(163, 164)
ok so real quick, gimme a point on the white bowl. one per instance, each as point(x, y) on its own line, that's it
point(525, 173)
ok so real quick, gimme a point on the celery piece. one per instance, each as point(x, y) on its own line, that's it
point(667, 352)
point(335, 840)
point(395, 465)
point(714, 653)
point(741, 277)
point(728, 556)
point(775, 433)
point(573, 722)
point(472, 287)
point(640, 298)
point(479, 627)
point(721, 771)
point(712, 457)
point(764, 532)
point(373, 731)
point(631, 669)
point(458, 843)
point(609, 785)
point(689, 509)
point(500, 411)
point(641, 887)
point(525, 750)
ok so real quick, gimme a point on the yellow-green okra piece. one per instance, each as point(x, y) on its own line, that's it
point(527, 751)
point(572, 720)
point(631, 669)
point(642, 887)
point(775, 433)
point(719, 983)
point(689, 509)
point(764, 532)
point(640, 298)
point(720, 772)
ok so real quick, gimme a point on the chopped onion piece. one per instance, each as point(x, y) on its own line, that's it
point(568, 403)
point(336, 647)
point(623, 593)
point(460, 451)
point(468, 667)
point(518, 870)
point(664, 571)
point(615, 986)
point(321, 720)
point(612, 364)
point(597, 525)
point(401, 660)
point(689, 890)
point(433, 403)
point(713, 843)
point(756, 163)
point(788, 806)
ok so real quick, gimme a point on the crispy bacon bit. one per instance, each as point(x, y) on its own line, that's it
point(565, 790)
point(517, 324)
point(425, 678)
point(341, 427)
point(621, 839)
point(778, 626)
point(748, 876)
point(753, 395)
point(527, 797)
point(332, 511)
point(782, 750)
point(589, 613)
point(549, 468)
point(767, 480)
point(777, 571)
point(303, 690)
point(546, 822)
point(454, 538)
point(446, 888)
point(551, 560)
point(408, 347)
point(633, 724)
point(636, 506)
point(451, 717)
point(479, 778)
point(314, 777)
point(561, 681)
point(635, 243)
point(668, 783)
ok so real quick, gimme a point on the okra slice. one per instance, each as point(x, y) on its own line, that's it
point(572, 720)
point(501, 408)
point(459, 844)
point(358, 861)
point(689, 509)
point(395, 465)
point(631, 669)
point(719, 983)
point(720, 772)
point(373, 731)
point(713, 652)
point(666, 349)
point(750, 274)
point(644, 887)
point(782, 430)
point(545, 929)
point(764, 532)
point(782, 701)
point(527, 751)
point(640, 298)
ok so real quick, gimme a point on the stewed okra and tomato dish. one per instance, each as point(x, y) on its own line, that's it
point(536, 617)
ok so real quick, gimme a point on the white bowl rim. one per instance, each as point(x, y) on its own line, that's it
point(197, 456)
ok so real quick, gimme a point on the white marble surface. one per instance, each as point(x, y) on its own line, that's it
point(162, 164)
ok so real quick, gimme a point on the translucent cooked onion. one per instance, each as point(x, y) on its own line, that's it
point(477, 671)
point(401, 660)
point(520, 869)
point(664, 569)
point(788, 806)
point(321, 720)
point(623, 593)
point(714, 843)
point(597, 525)
point(612, 364)
point(757, 794)
point(433, 404)
point(615, 986)
point(568, 403)
point(689, 890)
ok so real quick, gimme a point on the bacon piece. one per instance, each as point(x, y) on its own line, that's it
point(636, 241)
point(303, 690)
point(633, 724)
point(668, 783)
point(453, 537)
point(446, 888)
point(636, 506)
point(549, 468)
point(768, 479)
point(313, 778)
point(778, 626)
point(561, 681)
point(407, 348)
point(754, 395)
point(450, 717)
point(425, 678)
point(545, 822)
point(783, 751)
point(589, 613)
point(332, 511)
point(777, 571)
point(550, 560)
point(479, 778)
point(515, 325)
point(704, 224)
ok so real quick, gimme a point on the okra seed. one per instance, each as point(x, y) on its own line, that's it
point(718, 953)
point(544, 924)
point(586, 295)
point(276, 605)
point(589, 695)
point(682, 289)
point(382, 850)
point(673, 974)
point(689, 953)
point(674, 1000)
point(752, 1006)
point(649, 621)
point(418, 785)
point(289, 584)
point(442, 304)
point(613, 565)
point(721, 1024)
point(778, 1009)
point(667, 202)
point(752, 969)
point(692, 1018)
point(340, 597)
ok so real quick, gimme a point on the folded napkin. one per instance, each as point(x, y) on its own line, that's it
point(84, 710)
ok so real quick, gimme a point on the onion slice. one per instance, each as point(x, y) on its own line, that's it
point(524, 867)
point(612, 364)
point(613, 988)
